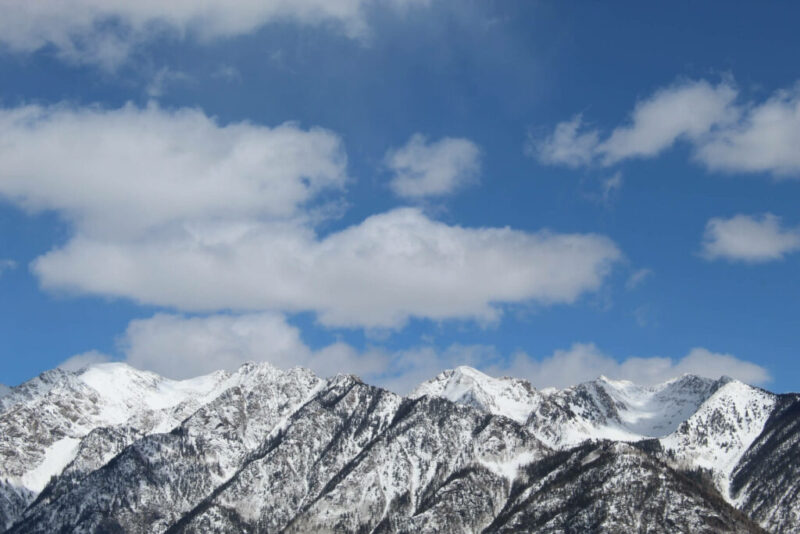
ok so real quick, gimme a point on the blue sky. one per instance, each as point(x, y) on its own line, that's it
point(394, 187)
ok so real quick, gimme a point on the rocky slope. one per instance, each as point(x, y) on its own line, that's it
point(112, 449)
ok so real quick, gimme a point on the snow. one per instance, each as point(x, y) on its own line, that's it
point(126, 390)
point(509, 397)
point(123, 393)
point(56, 458)
point(509, 468)
point(634, 412)
point(703, 423)
point(656, 411)
point(721, 431)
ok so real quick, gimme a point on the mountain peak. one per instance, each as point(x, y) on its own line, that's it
point(509, 397)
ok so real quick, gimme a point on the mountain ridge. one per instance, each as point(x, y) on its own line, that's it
point(217, 436)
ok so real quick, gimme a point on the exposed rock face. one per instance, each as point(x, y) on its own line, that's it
point(112, 449)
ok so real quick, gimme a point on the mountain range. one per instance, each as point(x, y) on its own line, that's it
point(113, 449)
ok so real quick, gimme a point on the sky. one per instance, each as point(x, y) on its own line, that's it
point(391, 188)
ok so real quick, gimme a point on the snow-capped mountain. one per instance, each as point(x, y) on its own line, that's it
point(114, 449)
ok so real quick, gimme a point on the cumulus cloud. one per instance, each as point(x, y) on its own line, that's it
point(583, 362)
point(130, 171)
point(765, 140)
point(377, 273)
point(173, 209)
point(178, 346)
point(182, 347)
point(423, 169)
point(105, 31)
point(747, 238)
point(686, 110)
point(724, 132)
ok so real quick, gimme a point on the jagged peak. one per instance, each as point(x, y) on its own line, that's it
point(253, 366)
point(344, 379)
point(511, 397)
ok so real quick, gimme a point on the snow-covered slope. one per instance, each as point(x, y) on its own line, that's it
point(700, 423)
point(601, 409)
point(47, 417)
point(716, 436)
point(44, 421)
point(113, 449)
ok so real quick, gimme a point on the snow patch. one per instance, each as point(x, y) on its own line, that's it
point(56, 458)
point(509, 468)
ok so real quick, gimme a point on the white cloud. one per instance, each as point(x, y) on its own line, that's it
point(685, 110)
point(748, 238)
point(566, 145)
point(79, 361)
point(375, 274)
point(182, 347)
point(130, 171)
point(583, 362)
point(724, 133)
point(105, 31)
point(423, 169)
point(767, 139)
point(173, 209)
point(177, 346)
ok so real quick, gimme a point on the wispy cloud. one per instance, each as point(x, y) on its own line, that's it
point(637, 278)
point(163, 79)
point(105, 32)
